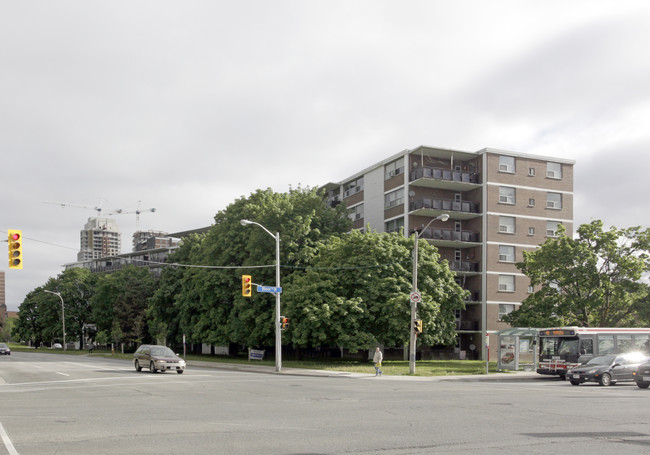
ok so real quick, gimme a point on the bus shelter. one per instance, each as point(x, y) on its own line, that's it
point(516, 348)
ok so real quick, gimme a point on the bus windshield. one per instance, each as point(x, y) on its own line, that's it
point(559, 346)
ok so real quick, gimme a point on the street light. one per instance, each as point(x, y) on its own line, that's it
point(62, 312)
point(278, 332)
point(444, 217)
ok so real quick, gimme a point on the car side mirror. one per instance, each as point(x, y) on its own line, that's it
point(616, 365)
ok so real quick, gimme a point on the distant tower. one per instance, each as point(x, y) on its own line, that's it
point(100, 237)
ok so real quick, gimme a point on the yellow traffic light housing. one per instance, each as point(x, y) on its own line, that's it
point(284, 322)
point(15, 239)
point(418, 326)
point(246, 285)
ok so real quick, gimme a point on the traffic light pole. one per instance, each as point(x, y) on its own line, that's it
point(278, 328)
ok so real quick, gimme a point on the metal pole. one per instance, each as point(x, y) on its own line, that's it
point(412, 345)
point(414, 307)
point(62, 313)
point(278, 331)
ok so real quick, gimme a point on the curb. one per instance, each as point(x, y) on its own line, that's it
point(520, 376)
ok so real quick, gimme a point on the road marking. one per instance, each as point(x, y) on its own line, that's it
point(62, 374)
point(8, 444)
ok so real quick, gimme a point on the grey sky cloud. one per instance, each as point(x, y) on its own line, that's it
point(188, 106)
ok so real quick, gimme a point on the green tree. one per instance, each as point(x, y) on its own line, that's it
point(356, 294)
point(593, 280)
point(40, 313)
point(205, 302)
point(30, 324)
point(122, 298)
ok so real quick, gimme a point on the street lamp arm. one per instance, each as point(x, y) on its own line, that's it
point(247, 222)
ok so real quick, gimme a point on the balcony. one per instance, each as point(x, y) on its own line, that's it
point(471, 326)
point(435, 177)
point(463, 210)
point(464, 266)
point(449, 237)
point(473, 297)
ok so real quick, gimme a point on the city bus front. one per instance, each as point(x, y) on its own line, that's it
point(558, 351)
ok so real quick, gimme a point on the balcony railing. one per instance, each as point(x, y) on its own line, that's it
point(445, 174)
point(464, 266)
point(450, 234)
point(446, 205)
point(473, 297)
point(467, 325)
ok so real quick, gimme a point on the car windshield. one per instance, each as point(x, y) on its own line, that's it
point(2, 345)
point(601, 360)
point(162, 352)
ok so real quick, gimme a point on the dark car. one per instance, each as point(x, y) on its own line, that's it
point(157, 358)
point(607, 369)
point(4, 349)
point(642, 376)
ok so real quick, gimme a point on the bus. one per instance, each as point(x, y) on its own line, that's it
point(563, 348)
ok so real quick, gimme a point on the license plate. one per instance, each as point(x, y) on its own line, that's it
point(646, 378)
point(576, 376)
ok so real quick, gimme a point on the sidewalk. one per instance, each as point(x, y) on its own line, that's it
point(253, 368)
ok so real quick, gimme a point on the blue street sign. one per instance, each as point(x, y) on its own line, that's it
point(269, 289)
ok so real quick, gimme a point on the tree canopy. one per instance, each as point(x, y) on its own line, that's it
point(356, 294)
point(594, 280)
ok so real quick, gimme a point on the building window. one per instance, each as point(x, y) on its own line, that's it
point(554, 170)
point(531, 202)
point(394, 198)
point(394, 225)
point(506, 195)
point(506, 253)
point(551, 228)
point(531, 231)
point(553, 201)
point(507, 224)
point(506, 283)
point(531, 172)
point(505, 308)
point(458, 255)
point(356, 212)
point(507, 164)
point(393, 169)
point(457, 197)
point(353, 187)
point(531, 289)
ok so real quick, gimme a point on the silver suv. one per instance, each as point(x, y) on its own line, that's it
point(157, 358)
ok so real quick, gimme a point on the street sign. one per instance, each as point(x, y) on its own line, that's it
point(269, 289)
point(416, 297)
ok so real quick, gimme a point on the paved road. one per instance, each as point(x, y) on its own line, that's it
point(80, 405)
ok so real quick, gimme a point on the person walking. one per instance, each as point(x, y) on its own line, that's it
point(376, 359)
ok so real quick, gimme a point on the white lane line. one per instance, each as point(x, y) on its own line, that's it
point(8, 444)
point(62, 374)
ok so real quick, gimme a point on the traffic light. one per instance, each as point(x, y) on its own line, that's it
point(418, 326)
point(15, 249)
point(246, 285)
point(284, 322)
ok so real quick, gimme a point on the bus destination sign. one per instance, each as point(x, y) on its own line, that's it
point(558, 332)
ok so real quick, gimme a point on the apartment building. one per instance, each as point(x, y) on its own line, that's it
point(99, 238)
point(500, 204)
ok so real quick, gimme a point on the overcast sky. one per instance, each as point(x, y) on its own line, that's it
point(188, 105)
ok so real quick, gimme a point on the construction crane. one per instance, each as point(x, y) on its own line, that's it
point(137, 212)
point(65, 204)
